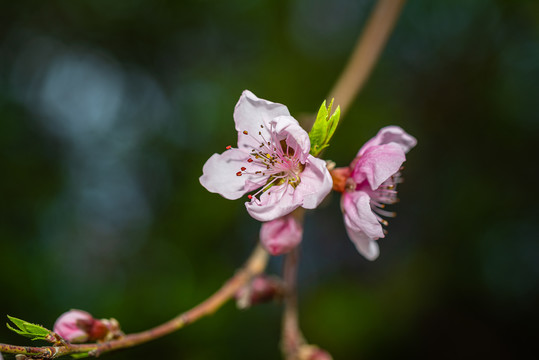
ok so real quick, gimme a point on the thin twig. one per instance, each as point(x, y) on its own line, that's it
point(292, 337)
point(348, 85)
point(255, 265)
point(352, 79)
point(366, 52)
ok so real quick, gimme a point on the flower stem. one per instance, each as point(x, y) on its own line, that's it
point(255, 265)
point(366, 52)
point(292, 338)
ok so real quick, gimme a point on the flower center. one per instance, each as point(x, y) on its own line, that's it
point(386, 194)
point(273, 158)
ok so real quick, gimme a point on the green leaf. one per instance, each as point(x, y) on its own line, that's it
point(323, 128)
point(333, 122)
point(33, 331)
point(318, 132)
point(17, 331)
point(18, 322)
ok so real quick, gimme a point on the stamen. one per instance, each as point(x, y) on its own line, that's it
point(229, 147)
point(243, 169)
point(245, 132)
point(250, 160)
point(250, 196)
point(238, 173)
point(385, 213)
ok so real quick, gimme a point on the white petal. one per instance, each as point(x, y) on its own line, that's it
point(253, 115)
point(276, 202)
point(219, 174)
point(366, 246)
point(287, 128)
point(315, 185)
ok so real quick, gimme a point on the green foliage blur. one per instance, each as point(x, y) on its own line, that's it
point(109, 109)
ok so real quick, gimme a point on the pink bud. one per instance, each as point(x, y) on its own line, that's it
point(77, 326)
point(281, 235)
point(261, 289)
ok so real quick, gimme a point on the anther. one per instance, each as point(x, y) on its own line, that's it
point(245, 132)
point(262, 126)
point(249, 196)
point(238, 173)
point(249, 160)
point(243, 169)
point(229, 147)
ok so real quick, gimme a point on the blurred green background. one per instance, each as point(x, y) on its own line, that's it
point(109, 109)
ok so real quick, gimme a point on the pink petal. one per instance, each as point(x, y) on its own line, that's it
point(390, 134)
point(315, 185)
point(281, 235)
point(364, 244)
point(67, 325)
point(253, 115)
point(274, 203)
point(358, 215)
point(220, 174)
point(361, 224)
point(378, 163)
point(287, 128)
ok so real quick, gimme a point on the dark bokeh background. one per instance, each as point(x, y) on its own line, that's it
point(109, 109)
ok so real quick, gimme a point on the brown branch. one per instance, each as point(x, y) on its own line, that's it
point(366, 52)
point(350, 82)
point(292, 338)
point(255, 265)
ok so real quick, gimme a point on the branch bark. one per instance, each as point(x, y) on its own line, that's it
point(255, 265)
point(366, 53)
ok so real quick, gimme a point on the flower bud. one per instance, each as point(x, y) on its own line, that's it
point(281, 235)
point(77, 326)
point(261, 289)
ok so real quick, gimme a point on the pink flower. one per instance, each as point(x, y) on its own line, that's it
point(369, 184)
point(272, 156)
point(77, 326)
point(281, 235)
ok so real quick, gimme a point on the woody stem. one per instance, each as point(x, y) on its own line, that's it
point(366, 52)
point(292, 338)
point(255, 265)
